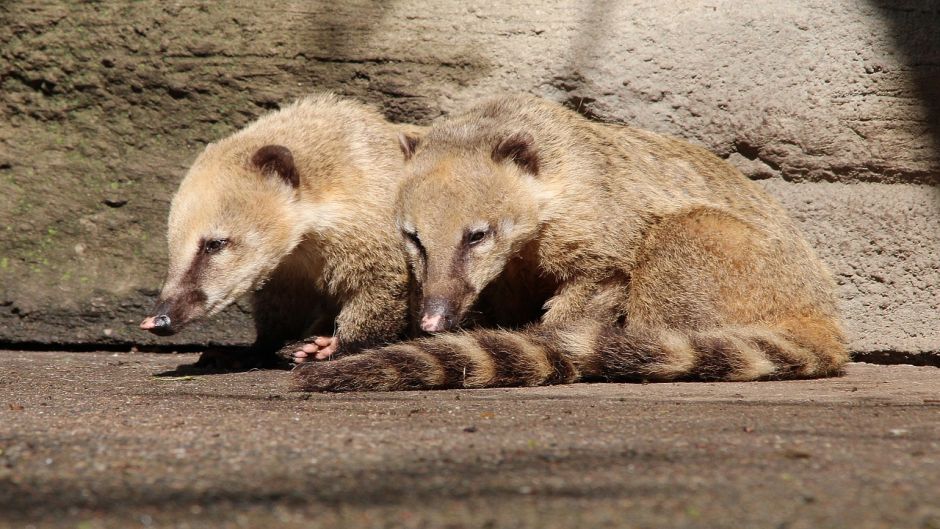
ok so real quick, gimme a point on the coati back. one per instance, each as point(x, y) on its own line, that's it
point(666, 263)
point(296, 208)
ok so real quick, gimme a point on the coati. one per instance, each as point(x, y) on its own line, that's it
point(296, 208)
point(666, 263)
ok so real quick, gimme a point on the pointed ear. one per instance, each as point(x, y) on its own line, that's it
point(408, 144)
point(277, 160)
point(520, 148)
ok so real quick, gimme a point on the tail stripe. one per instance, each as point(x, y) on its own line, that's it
point(533, 352)
point(562, 369)
point(679, 356)
point(790, 358)
point(409, 367)
point(475, 366)
point(513, 366)
point(751, 363)
point(717, 357)
point(453, 365)
point(626, 355)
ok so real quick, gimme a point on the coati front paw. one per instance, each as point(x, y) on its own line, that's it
point(316, 347)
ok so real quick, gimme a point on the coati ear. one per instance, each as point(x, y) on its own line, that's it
point(277, 159)
point(520, 148)
point(408, 144)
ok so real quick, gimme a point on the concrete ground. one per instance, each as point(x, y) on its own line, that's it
point(110, 440)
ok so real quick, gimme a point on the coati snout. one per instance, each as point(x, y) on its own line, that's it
point(171, 314)
point(159, 325)
point(438, 314)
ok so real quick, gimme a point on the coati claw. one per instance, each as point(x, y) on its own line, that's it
point(313, 348)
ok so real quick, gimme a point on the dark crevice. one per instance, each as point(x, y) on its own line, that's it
point(43, 86)
point(582, 105)
point(914, 26)
point(752, 152)
point(930, 358)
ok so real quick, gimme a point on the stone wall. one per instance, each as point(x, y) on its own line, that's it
point(833, 104)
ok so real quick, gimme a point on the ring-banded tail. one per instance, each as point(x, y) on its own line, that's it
point(590, 352)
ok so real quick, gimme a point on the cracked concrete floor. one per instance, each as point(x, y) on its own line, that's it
point(99, 440)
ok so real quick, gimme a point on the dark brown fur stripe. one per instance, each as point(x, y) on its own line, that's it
point(785, 362)
point(563, 371)
point(512, 366)
point(716, 357)
point(353, 373)
point(455, 364)
point(413, 371)
point(193, 274)
point(622, 354)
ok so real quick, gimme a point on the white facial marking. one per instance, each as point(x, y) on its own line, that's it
point(480, 225)
point(506, 226)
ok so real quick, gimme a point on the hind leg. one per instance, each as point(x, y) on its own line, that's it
point(703, 270)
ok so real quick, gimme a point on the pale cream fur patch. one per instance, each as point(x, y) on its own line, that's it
point(484, 370)
point(678, 348)
point(753, 363)
point(580, 342)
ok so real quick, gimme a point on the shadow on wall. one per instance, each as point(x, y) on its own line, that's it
point(400, 73)
point(915, 26)
point(593, 26)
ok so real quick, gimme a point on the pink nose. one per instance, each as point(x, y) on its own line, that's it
point(433, 323)
point(148, 323)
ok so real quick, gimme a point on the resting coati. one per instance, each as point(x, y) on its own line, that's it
point(296, 208)
point(665, 262)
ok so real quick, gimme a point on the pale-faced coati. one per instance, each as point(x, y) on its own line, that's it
point(296, 208)
point(666, 263)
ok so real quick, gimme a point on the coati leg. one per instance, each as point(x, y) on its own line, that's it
point(710, 298)
point(283, 311)
point(746, 304)
point(714, 298)
point(367, 319)
point(570, 303)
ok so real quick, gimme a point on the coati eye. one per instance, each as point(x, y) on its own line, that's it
point(214, 245)
point(476, 236)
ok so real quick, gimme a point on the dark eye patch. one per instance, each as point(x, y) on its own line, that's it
point(474, 237)
point(213, 246)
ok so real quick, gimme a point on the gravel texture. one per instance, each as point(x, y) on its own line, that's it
point(124, 440)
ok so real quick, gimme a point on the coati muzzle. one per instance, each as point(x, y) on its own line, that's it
point(159, 325)
point(437, 315)
point(170, 315)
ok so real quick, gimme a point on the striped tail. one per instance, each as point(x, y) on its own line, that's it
point(539, 356)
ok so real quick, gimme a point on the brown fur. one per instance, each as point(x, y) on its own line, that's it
point(303, 198)
point(666, 262)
